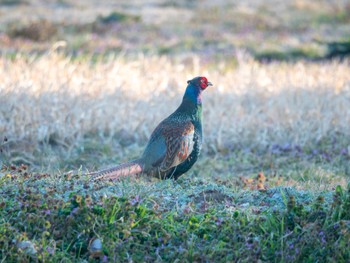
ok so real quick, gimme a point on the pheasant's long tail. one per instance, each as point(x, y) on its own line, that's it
point(114, 173)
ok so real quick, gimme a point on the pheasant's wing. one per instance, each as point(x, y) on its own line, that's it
point(179, 140)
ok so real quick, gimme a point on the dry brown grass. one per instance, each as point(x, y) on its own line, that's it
point(56, 99)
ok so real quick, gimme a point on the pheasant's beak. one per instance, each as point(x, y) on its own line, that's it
point(209, 84)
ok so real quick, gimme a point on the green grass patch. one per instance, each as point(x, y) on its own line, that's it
point(289, 54)
point(116, 17)
point(55, 217)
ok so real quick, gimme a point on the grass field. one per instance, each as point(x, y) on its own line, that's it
point(83, 88)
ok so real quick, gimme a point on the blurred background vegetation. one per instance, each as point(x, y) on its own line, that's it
point(269, 30)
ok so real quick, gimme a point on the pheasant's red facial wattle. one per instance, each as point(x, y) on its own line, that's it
point(204, 83)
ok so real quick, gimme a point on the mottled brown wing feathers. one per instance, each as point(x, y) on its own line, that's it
point(179, 142)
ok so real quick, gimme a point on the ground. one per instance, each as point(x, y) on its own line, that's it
point(83, 84)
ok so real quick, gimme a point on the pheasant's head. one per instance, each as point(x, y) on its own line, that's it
point(200, 82)
point(195, 88)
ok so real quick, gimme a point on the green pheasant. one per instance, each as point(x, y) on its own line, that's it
point(174, 145)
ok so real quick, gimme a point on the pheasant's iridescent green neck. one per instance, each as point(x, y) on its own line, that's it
point(193, 94)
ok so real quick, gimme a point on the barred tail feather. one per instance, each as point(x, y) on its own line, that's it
point(122, 170)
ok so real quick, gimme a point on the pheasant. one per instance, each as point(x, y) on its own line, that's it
point(174, 145)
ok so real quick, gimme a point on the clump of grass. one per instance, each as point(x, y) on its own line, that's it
point(290, 54)
point(113, 22)
point(42, 30)
point(116, 17)
point(13, 2)
point(338, 49)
